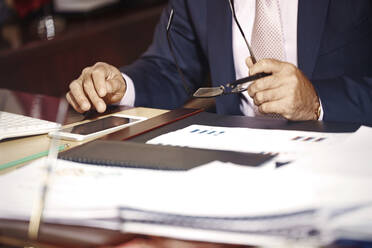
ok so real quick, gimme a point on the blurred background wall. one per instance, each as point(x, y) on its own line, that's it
point(45, 44)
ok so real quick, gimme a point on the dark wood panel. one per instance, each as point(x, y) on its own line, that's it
point(48, 67)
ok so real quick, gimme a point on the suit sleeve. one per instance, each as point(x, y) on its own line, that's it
point(346, 99)
point(156, 79)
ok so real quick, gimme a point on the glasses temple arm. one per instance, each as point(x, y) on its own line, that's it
point(247, 79)
point(232, 8)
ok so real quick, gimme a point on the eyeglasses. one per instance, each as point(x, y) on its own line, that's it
point(235, 87)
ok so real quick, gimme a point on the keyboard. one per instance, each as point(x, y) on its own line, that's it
point(15, 125)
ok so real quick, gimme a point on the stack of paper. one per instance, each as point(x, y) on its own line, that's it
point(350, 160)
point(216, 202)
point(323, 196)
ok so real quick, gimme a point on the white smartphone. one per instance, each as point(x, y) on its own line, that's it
point(96, 128)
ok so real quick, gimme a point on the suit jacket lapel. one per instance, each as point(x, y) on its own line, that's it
point(311, 20)
point(219, 26)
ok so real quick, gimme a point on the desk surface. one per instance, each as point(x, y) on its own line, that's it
point(15, 232)
point(11, 232)
point(17, 102)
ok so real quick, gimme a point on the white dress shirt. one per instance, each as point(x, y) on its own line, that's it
point(245, 11)
point(130, 93)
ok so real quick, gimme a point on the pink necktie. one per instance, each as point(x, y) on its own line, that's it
point(267, 36)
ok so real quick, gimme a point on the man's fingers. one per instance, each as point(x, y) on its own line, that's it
point(269, 95)
point(99, 80)
point(90, 90)
point(249, 62)
point(98, 85)
point(115, 85)
point(77, 93)
point(267, 66)
point(266, 83)
point(118, 90)
point(71, 100)
point(274, 107)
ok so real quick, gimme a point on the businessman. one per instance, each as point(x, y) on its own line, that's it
point(319, 54)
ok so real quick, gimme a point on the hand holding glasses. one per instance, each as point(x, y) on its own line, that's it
point(237, 86)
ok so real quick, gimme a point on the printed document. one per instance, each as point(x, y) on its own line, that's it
point(351, 158)
point(218, 202)
point(288, 144)
point(322, 197)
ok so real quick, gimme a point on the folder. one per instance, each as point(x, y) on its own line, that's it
point(139, 155)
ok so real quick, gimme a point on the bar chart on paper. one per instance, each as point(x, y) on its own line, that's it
point(288, 144)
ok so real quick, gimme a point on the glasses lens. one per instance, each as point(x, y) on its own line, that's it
point(208, 92)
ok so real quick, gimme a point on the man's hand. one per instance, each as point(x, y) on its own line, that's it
point(286, 92)
point(97, 86)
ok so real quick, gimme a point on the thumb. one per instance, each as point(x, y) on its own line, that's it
point(249, 62)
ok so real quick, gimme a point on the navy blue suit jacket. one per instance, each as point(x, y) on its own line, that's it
point(334, 52)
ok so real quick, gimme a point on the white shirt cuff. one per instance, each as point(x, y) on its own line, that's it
point(321, 111)
point(130, 94)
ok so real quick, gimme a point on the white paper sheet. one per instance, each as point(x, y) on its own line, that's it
point(351, 158)
point(289, 144)
point(236, 190)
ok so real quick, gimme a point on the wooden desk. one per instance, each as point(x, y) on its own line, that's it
point(14, 232)
point(14, 149)
point(51, 235)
